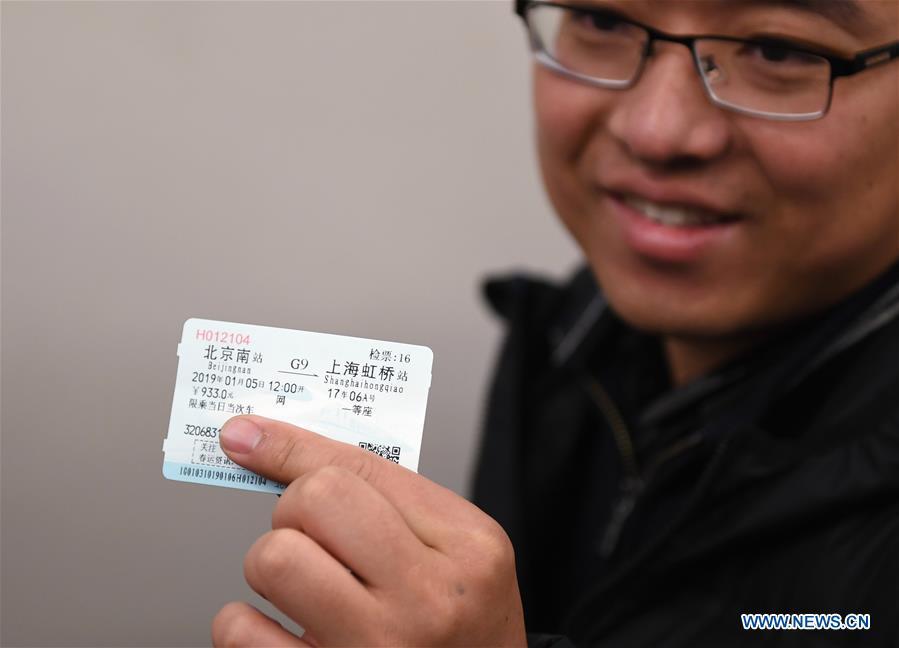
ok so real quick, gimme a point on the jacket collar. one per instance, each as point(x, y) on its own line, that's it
point(585, 323)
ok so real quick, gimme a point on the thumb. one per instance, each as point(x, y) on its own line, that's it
point(284, 452)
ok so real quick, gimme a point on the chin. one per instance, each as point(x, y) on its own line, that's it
point(673, 309)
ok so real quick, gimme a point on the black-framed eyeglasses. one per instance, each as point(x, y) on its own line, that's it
point(768, 78)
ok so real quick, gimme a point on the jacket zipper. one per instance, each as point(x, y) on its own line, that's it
point(634, 482)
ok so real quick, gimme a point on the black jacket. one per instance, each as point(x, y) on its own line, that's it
point(643, 515)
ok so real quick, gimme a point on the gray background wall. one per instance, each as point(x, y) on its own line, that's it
point(347, 167)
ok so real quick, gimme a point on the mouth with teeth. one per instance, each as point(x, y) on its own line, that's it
point(675, 215)
point(674, 232)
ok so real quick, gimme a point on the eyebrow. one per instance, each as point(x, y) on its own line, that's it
point(848, 14)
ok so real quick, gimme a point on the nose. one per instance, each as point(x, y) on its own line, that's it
point(666, 117)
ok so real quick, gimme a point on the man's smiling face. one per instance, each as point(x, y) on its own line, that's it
point(812, 207)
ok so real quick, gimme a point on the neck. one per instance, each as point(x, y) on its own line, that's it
point(691, 358)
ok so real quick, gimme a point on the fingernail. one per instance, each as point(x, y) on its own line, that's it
point(240, 435)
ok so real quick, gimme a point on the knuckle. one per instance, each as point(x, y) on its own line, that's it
point(232, 627)
point(361, 463)
point(284, 454)
point(496, 556)
point(322, 484)
point(269, 560)
point(492, 540)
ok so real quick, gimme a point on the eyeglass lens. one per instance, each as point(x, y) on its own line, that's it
point(765, 79)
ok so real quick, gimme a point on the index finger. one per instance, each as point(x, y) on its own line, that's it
point(284, 452)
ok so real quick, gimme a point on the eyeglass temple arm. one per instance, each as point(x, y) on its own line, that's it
point(863, 60)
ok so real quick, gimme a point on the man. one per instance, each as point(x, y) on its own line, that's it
point(705, 423)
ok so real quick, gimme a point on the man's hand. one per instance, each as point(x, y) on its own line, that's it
point(365, 552)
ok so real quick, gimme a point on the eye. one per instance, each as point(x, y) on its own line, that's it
point(781, 54)
point(774, 53)
point(598, 20)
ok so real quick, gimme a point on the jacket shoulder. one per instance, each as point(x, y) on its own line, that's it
point(546, 319)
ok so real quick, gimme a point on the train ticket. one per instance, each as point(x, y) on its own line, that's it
point(369, 393)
